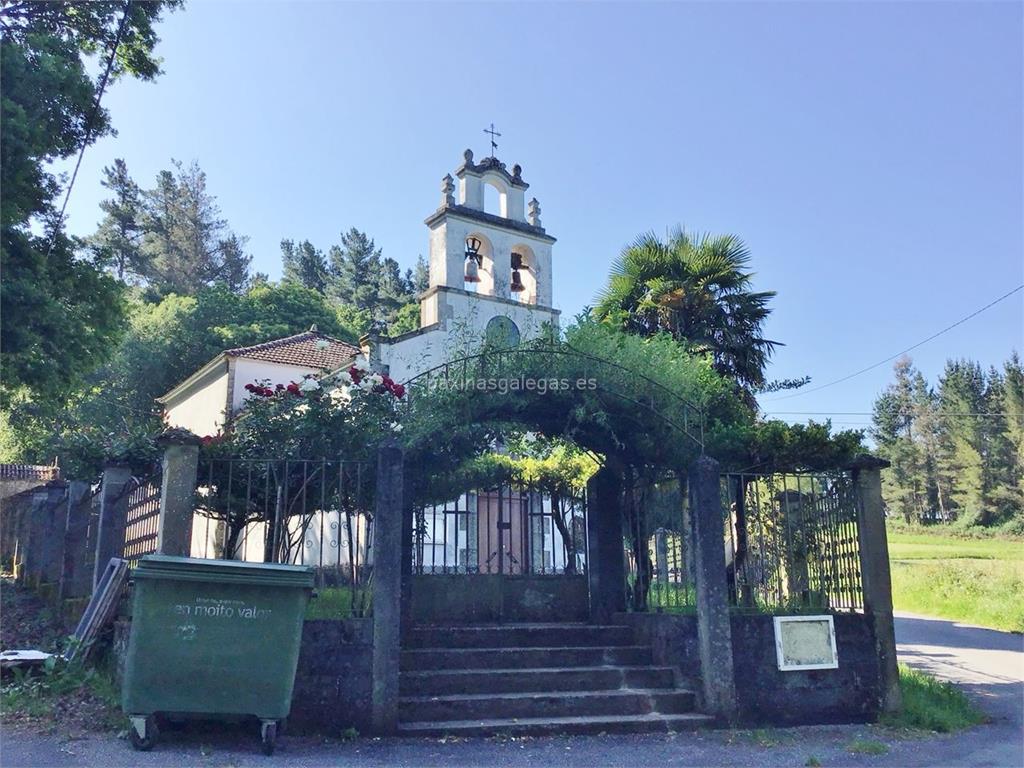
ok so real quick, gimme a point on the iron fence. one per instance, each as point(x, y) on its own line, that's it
point(142, 522)
point(792, 542)
point(658, 571)
point(315, 512)
point(502, 530)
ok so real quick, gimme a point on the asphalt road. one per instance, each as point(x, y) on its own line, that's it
point(989, 664)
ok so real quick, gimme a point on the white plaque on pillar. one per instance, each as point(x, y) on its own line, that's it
point(805, 642)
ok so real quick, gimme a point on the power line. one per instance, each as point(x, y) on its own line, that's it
point(89, 124)
point(870, 413)
point(961, 321)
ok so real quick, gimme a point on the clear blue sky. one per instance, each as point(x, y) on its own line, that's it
point(870, 155)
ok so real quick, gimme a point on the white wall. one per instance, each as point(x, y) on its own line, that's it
point(462, 319)
point(200, 408)
point(249, 371)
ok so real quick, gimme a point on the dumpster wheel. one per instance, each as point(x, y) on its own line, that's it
point(143, 732)
point(269, 733)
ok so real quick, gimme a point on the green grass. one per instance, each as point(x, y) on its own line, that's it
point(337, 603)
point(976, 581)
point(932, 705)
point(59, 691)
point(867, 747)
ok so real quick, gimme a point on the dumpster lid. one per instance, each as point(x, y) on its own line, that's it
point(223, 571)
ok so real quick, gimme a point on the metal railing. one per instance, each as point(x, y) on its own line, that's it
point(792, 542)
point(658, 573)
point(502, 530)
point(304, 512)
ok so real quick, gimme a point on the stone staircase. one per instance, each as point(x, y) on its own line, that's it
point(534, 679)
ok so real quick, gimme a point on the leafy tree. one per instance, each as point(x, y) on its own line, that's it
point(165, 342)
point(304, 264)
point(117, 243)
point(48, 111)
point(697, 289)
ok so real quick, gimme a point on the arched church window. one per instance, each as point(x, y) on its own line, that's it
point(501, 332)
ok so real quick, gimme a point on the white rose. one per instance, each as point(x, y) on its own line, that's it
point(344, 377)
point(396, 427)
point(375, 378)
point(322, 344)
point(361, 364)
point(309, 385)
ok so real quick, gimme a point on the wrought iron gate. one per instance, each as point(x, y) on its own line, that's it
point(499, 548)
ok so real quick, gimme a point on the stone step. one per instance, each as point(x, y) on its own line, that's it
point(472, 681)
point(526, 658)
point(518, 636)
point(550, 726)
point(544, 705)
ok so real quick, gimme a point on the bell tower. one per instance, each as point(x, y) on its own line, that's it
point(490, 272)
point(500, 261)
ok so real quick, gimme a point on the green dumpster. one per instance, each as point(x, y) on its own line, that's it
point(213, 637)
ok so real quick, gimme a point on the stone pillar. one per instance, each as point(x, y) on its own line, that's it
point(177, 491)
point(714, 632)
point(387, 586)
point(53, 514)
point(876, 579)
point(75, 577)
point(606, 563)
point(113, 517)
point(43, 552)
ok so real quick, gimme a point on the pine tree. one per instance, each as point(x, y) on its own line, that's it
point(420, 277)
point(962, 461)
point(905, 486)
point(354, 269)
point(1013, 408)
point(117, 243)
point(187, 242)
point(304, 265)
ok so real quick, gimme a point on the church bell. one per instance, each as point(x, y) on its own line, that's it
point(473, 260)
point(517, 281)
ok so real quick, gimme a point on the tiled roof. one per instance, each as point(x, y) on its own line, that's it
point(305, 349)
point(29, 472)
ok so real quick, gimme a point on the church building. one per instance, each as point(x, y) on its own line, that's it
point(490, 277)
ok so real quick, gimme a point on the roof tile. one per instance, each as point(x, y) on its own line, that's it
point(301, 349)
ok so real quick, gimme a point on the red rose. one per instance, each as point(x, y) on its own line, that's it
point(398, 390)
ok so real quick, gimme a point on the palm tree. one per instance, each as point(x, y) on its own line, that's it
point(696, 289)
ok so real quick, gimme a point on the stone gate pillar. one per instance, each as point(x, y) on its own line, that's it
point(714, 631)
point(387, 586)
point(113, 517)
point(606, 567)
point(179, 468)
point(876, 580)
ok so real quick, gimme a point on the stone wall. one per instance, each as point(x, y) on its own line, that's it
point(333, 685)
point(851, 693)
point(765, 695)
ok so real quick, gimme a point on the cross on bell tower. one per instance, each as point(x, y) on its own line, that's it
point(494, 134)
